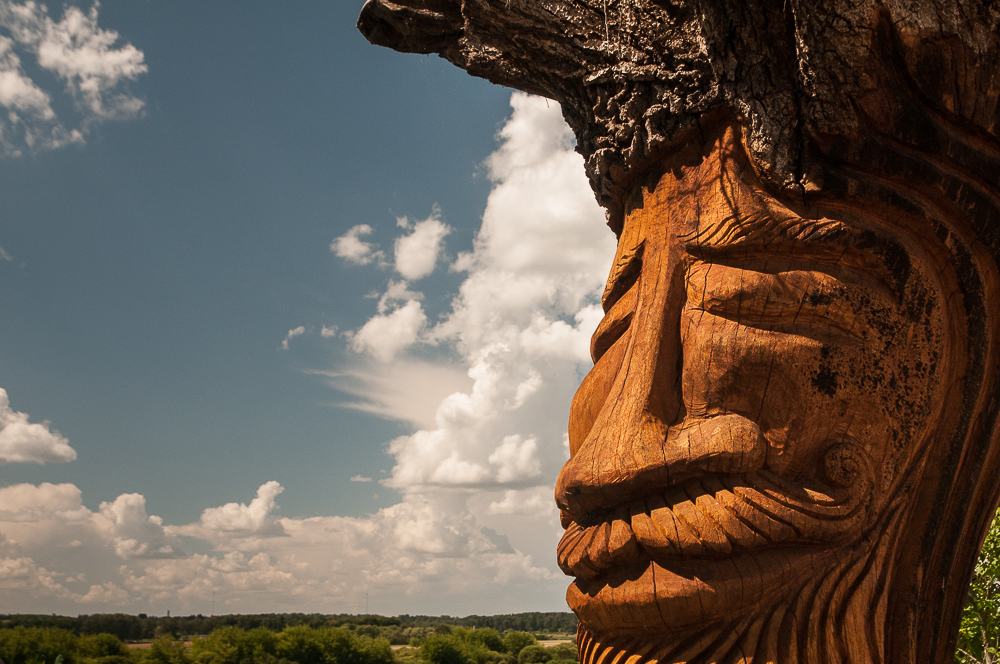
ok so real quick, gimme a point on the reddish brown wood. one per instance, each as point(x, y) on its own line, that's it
point(788, 448)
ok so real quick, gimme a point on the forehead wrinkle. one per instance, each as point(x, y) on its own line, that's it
point(753, 220)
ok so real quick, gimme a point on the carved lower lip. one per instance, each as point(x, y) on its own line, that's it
point(709, 518)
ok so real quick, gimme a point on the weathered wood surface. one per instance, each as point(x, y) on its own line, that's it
point(787, 450)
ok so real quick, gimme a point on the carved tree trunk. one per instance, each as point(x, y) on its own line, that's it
point(787, 450)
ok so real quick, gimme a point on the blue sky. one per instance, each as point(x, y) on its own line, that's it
point(248, 257)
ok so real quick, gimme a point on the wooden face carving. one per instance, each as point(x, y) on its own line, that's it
point(765, 378)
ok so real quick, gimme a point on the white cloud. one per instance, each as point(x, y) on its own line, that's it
point(292, 333)
point(418, 252)
point(533, 501)
point(353, 249)
point(475, 476)
point(407, 390)
point(3, 252)
point(328, 332)
point(236, 520)
point(360, 478)
point(82, 55)
point(420, 555)
point(136, 534)
point(385, 335)
point(516, 460)
point(22, 441)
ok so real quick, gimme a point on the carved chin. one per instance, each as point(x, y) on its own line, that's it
point(687, 595)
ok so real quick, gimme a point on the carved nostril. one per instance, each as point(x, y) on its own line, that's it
point(842, 464)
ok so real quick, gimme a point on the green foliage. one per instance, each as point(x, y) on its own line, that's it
point(515, 642)
point(101, 646)
point(488, 638)
point(563, 651)
point(354, 643)
point(464, 646)
point(165, 650)
point(38, 645)
point(399, 630)
point(443, 649)
point(533, 655)
point(979, 634)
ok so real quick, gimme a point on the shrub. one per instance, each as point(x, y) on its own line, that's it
point(514, 642)
point(533, 655)
point(38, 645)
point(563, 651)
point(489, 638)
point(101, 646)
point(166, 651)
point(442, 649)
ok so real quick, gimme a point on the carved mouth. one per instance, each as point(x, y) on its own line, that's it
point(412, 26)
point(710, 517)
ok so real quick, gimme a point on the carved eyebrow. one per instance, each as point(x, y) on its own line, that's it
point(762, 227)
point(755, 240)
point(848, 261)
point(623, 276)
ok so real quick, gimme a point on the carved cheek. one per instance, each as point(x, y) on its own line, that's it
point(793, 387)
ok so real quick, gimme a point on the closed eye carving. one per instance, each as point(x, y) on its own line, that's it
point(803, 303)
point(619, 302)
point(623, 276)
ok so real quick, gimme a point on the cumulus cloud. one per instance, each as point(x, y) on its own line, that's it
point(417, 253)
point(419, 555)
point(475, 475)
point(328, 332)
point(79, 53)
point(361, 478)
point(134, 534)
point(353, 249)
point(22, 441)
point(237, 520)
point(521, 325)
point(383, 336)
point(292, 333)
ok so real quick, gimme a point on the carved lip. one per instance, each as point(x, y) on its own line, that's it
point(712, 517)
point(412, 26)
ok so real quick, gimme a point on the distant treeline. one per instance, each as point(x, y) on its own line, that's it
point(144, 627)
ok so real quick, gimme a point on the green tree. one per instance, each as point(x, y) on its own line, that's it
point(301, 645)
point(515, 642)
point(165, 650)
point(488, 637)
point(101, 645)
point(563, 651)
point(38, 645)
point(442, 649)
point(533, 655)
point(979, 634)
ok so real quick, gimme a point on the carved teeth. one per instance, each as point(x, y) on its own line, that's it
point(712, 517)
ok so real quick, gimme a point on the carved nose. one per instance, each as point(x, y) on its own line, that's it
point(603, 476)
point(412, 26)
point(645, 437)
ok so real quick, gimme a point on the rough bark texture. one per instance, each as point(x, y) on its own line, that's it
point(788, 448)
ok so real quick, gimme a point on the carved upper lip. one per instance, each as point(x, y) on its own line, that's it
point(710, 517)
point(412, 26)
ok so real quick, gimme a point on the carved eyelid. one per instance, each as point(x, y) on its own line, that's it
point(623, 276)
point(843, 263)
